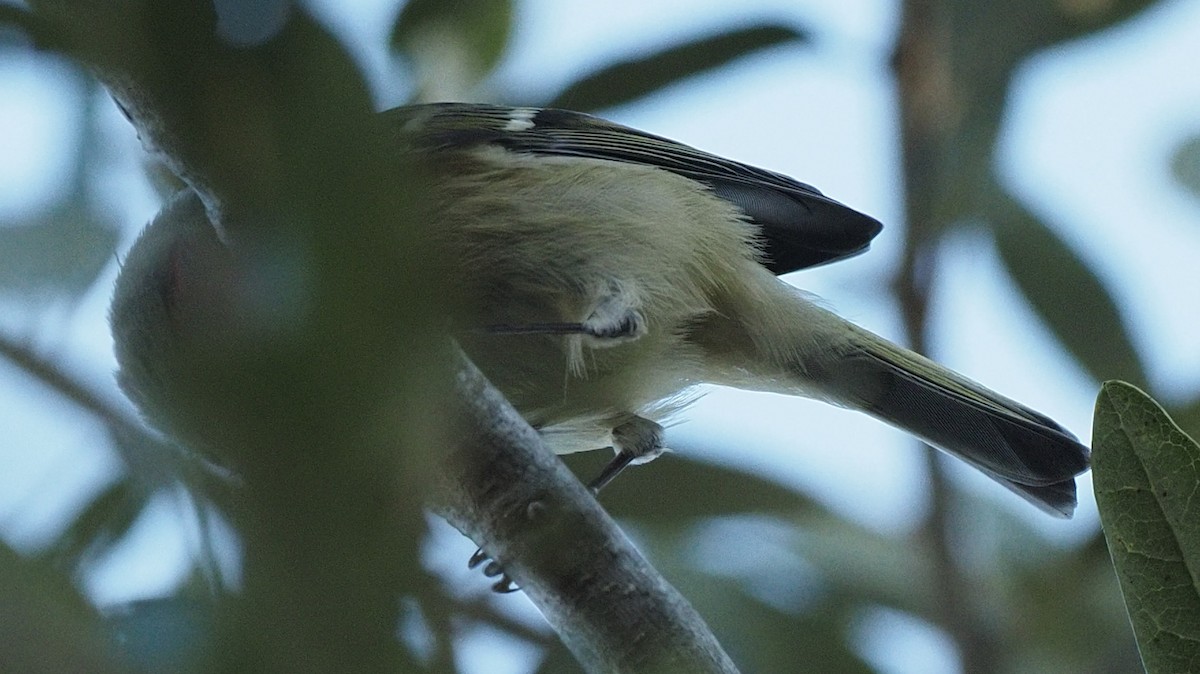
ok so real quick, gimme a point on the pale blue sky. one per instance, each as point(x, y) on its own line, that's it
point(1086, 144)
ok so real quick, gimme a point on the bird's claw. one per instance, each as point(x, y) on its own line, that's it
point(478, 558)
point(504, 585)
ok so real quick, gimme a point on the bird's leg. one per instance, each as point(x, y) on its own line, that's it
point(614, 318)
point(638, 440)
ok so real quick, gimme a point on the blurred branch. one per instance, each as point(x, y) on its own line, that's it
point(928, 99)
point(152, 464)
point(66, 385)
point(954, 65)
point(138, 446)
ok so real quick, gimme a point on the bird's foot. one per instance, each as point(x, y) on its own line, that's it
point(637, 441)
point(492, 569)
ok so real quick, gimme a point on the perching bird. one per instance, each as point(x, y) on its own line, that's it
point(606, 271)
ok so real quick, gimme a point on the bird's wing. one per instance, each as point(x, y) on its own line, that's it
point(800, 227)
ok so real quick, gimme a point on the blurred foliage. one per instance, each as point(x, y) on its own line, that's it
point(46, 626)
point(1185, 165)
point(98, 526)
point(1051, 609)
point(168, 634)
point(451, 45)
point(630, 80)
point(1052, 277)
point(1147, 473)
point(61, 250)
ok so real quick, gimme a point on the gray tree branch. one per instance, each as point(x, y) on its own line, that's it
point(509, 493)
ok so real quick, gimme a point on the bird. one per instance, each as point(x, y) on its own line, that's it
point(605, 272)
point(608, 271)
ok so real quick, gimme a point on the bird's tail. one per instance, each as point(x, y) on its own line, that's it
point(837, 361)
point(1018, 447)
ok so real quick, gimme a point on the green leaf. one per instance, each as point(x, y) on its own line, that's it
point(477, 30)
point(1067, 295)
point(1188, 417)
point(1185, 165)
point(1147, 475)
point(628, 80)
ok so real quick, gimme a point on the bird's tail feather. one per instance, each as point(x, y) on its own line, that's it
point(1020, 448)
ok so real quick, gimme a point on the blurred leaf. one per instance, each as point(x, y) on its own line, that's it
point(1067, 296)
point(674, 493)
point(664, 502)
point(962, 57)
point(1147, 473)
point(1055, 599)
point(63, 250)
point(99, 526)
point(628, 80)
point(473, 34)
point(1185, 165)
point(169, 634)
point(677, 491)
point(46, 627)
point(761, 638)
point(870, 566)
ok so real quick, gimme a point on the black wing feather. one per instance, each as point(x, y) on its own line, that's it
point(800, 227)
